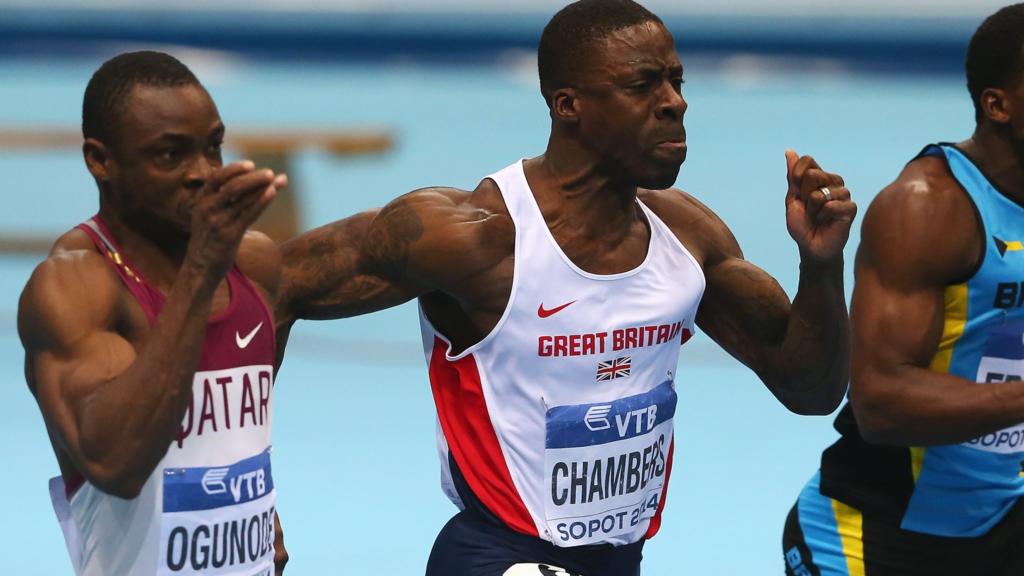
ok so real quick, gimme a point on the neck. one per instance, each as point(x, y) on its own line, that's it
point(999, 158)
point(155, 249)
point(573, 190)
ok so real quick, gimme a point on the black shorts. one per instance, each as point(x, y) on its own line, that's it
point(471, 546)
point(824, 537)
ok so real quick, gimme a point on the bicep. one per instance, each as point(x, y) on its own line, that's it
point(70, 348)
point(914, 246)
point(896, 324)
point(66, 380)
point(434, 239)
point(744, 309)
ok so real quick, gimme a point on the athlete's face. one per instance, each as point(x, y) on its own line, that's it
point(166, 145)
point(631, 105)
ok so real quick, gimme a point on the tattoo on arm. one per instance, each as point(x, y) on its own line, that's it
point(390, 236)
point(349, 267)
point(748, 310)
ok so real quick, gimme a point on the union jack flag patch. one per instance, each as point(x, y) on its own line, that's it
point(612, 369)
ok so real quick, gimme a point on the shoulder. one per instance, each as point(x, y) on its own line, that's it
point(923, 223)
point(259, 258)
point(72, 292)
point(925, 186)
point(697, 226)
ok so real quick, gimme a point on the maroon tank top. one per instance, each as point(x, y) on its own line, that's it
point(240, 335)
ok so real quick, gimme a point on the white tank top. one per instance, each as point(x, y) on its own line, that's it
point(209, 506)
point(560, 420)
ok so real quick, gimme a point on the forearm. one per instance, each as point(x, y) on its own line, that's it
point(327, 274)
point(128, 423)
point(813, 360)
point(918, 407)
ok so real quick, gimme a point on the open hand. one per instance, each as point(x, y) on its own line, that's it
point(232, 199)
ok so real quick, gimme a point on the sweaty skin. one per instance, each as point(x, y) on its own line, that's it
point(617, 135)
point(919, 236)
point(112, 389)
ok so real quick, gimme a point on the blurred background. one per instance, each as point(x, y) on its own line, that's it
point(362, 100)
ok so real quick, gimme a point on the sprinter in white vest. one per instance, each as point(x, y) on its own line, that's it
point(555, 296)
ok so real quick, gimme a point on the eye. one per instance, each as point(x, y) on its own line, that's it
point(169, 155)
point(642, 85)
point(215, 147)
point(677, 83)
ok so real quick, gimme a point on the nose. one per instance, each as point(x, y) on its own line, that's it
point(672, 105)
point(199, 172)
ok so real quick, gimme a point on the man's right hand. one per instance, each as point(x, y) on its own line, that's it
point(232, 199)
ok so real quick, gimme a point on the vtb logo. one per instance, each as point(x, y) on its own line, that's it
point(213, 481)
point(253, 482)
point(596, 417)
point(641, 420)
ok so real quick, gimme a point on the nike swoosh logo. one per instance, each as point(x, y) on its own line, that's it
point(243, 341)
point(545, 313)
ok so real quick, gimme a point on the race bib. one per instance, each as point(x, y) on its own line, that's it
point(606, 464)
point(220, 520)
point(995, 369)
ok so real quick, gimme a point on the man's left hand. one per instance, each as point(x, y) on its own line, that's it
point(819, 211)
point(280, 554)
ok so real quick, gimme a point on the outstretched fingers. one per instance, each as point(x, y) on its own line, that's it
point(225, 173)
point(232, 200)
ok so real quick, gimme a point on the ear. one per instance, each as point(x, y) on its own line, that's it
point(565, 105)
point(995, 105)
point(97, 159)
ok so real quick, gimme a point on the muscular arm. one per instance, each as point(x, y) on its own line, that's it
point(113, 410)
point(427, 240)
point(919, 236)
point(113, 405)
point(798, 349)
point(328, 272)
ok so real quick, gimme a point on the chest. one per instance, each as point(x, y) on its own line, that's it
point(239, 326)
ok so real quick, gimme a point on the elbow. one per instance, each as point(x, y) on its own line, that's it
point(874, 422)
point(815, 399)
point(126, 490)
point(121, 483)
point(812, 409)
point(117, 474)
point(875, 430)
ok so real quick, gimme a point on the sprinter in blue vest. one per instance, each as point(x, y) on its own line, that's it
point(926, 478)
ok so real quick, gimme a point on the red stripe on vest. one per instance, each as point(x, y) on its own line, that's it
point(465, 421)
point(655, 524)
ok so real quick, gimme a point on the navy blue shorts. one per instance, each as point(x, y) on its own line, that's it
point(471, 546)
